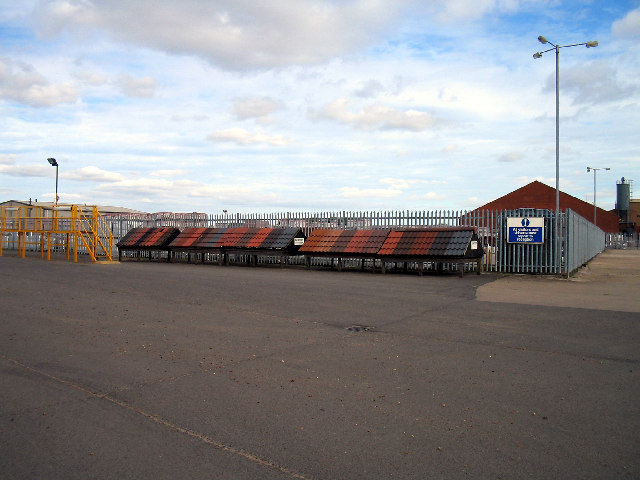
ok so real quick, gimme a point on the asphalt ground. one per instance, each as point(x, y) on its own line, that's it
point(148, 370)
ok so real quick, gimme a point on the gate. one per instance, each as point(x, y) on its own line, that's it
point(577, 241)
point(523, 257)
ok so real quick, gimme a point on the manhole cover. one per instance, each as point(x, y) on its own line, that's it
point(359, 328)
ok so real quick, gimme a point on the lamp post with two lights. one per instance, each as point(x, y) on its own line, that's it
point(557, 48)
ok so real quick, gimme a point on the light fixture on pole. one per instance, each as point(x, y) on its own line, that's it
point(589, 169)
point(54, 163)
point(557, 48)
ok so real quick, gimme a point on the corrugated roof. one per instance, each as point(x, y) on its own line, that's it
point(147, 238)
point(236, 238)
point(410, 242)
point(344, 241)
point(434, 242)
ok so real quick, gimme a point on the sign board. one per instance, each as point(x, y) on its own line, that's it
point(525, 230)
point(298, 241)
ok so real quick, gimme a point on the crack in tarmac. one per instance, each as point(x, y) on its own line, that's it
point(165, 423)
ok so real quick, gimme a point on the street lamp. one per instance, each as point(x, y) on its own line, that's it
point(54, 163)
point(594, 188)
point(557, 48)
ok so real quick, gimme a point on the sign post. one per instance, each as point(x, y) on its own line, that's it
point(525, 230)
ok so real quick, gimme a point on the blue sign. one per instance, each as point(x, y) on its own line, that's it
point(525, 230)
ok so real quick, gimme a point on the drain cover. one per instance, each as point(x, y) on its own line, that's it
point(359, 328)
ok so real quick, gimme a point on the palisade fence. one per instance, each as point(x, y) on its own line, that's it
point(584, 241)
point(578, 240)
point(623, 240)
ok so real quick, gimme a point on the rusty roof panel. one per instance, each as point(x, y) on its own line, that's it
point(259, 238)
point(269, 238)
point(187, 237)
point(244, 239)
point(341, 241)
point(208, 238)
point(316, 242)
point(237, 238)
point(133, 236)
point(147, 238)
point(285, 238)
point(433, 241)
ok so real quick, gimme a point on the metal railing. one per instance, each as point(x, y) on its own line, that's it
point(534, 257)
point(623, 240)
point(584, 240)
point(579, 240)
point(63, 228)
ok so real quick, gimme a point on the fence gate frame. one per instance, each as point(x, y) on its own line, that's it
point(530, 257)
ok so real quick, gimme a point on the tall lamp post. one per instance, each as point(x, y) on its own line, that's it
point(54, 163)
point(589, 169)
point(557, 48)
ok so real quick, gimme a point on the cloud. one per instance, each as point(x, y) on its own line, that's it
point(394, 187)
point(375, 117)
point(592, 83)
point(627, 27)
point(168, 173)
point(138, 186)
point(357, 192)
point(238, 35)
point(255, 107)
point(142, 87)
point(236, 194)
point(91, 78)
point(510, 157)
point(154, 190)
point(369, 89)
point(396, 183)
point(240, 136)
point(94, 174)
point(26, 170)
point(196, 117)
point(429, 196)
point(450, 11)
point(7, 159)
point(449, 149)
point(19, 82)
point(524, 180)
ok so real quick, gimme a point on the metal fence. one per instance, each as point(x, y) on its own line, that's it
point(583, 241)
point(623, 240)
point(578, 239)
point(530, 258)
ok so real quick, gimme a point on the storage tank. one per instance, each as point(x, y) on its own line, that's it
point(622, 199)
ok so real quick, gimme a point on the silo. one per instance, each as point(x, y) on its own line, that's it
point(622, 199)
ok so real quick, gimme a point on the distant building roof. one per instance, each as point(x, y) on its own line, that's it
point(103, 209)
point(538, 195)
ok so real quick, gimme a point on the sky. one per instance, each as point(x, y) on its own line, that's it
point(314, 105)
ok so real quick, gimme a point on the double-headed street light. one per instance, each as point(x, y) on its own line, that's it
point(54, 163)
point(589, 169)
point(557, 48)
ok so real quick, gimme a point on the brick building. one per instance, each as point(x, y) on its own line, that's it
point(538, 195)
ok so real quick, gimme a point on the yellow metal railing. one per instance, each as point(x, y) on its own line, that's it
point(70, 228)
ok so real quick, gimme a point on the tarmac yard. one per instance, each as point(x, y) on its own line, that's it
point(141, 370)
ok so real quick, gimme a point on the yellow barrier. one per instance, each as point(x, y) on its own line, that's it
point(69, 227)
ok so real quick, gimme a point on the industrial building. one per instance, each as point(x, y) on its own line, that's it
point(537, 195)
